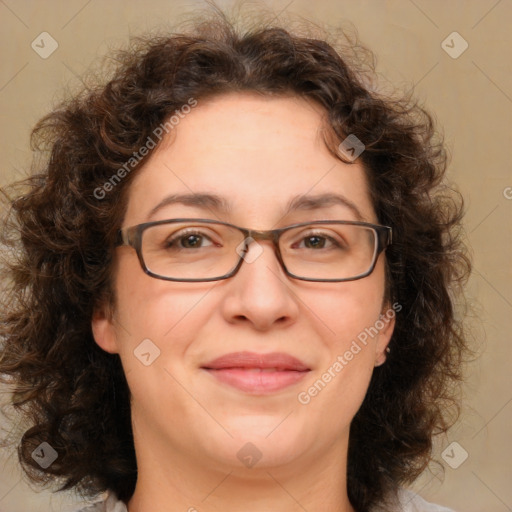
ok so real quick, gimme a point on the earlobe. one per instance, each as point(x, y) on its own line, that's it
point(103, 329)
point(382, 348)
point(379, 361)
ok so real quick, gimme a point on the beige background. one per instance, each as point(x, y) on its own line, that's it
point(472, 99)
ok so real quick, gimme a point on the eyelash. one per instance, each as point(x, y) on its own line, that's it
point(183, 235)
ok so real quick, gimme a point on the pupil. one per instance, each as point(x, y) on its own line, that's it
point(317, 241)
point(192, 241)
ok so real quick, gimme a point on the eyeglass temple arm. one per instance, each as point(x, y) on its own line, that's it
point(385, 236)
point(126, 236)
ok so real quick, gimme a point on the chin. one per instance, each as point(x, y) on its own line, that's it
point(259, 442)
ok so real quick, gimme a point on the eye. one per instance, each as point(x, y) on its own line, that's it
point(317, 240)
point(188, 239)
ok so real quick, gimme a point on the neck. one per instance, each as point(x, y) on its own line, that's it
point(177, 482)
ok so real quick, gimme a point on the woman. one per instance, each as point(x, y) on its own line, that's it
point(233, 283)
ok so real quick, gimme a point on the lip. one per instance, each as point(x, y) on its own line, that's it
point(257, 373)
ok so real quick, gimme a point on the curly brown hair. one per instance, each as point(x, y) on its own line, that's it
point(59, 238)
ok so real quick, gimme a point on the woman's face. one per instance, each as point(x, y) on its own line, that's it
point(256, 153)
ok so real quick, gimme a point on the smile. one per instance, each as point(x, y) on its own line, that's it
point(257, 373)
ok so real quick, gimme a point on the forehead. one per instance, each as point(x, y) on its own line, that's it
point(258, 152)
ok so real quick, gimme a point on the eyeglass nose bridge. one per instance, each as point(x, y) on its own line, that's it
point(259, 235)
point(271, 234)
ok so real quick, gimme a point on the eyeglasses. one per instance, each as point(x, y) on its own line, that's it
point(207, 250)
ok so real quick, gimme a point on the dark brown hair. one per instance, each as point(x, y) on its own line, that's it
point(58, 238)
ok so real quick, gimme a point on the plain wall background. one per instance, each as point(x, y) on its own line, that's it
point(471, 97)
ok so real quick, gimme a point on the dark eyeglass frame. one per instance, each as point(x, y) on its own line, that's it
point(132, 236)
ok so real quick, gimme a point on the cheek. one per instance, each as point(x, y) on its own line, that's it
point(156, 324)
point(336, 391)
point(149, 306)
point(350, 310)
point(350, 320)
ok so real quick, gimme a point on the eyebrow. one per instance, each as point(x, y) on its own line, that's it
point(199, 200)
point(219, 204)
point(322, 201)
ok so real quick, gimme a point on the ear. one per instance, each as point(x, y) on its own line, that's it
point(387, 317)
point(103, 329)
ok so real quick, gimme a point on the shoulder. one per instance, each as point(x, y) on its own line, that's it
point(109, 504)
point(409, 501)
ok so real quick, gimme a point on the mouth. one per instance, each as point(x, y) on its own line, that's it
point(255, 373)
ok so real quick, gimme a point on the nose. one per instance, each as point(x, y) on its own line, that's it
point(260, 293)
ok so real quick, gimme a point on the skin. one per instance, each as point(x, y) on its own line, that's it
point(258, 152)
